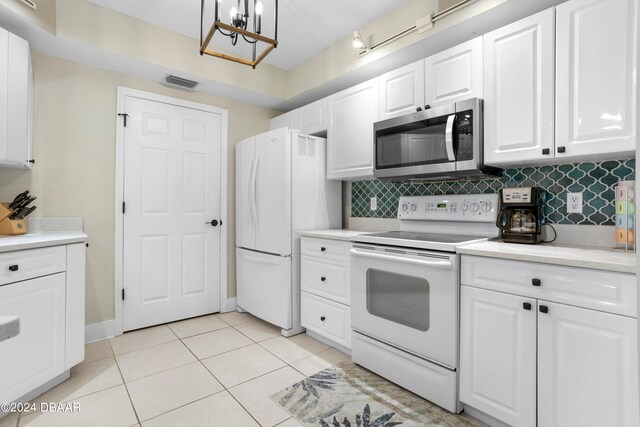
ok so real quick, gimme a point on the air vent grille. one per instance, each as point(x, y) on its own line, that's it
point(179, 81)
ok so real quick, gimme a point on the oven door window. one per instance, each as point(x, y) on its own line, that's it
point(398, 298)
point(420, 143)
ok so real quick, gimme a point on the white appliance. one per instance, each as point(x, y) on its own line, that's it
point(281, 188)
point(405, 292)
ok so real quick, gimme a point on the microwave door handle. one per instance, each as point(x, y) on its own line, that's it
point(448, 138)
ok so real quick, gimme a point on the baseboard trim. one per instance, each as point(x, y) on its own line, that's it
point(229, 305)
point(100, 331)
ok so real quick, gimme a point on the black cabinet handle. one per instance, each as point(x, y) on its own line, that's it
point(544, 309)
point(419, 109)
point(322, 249)
point(536, 282)
point(13, 267)
point(323, 279)
point(546, 151)
point(562, 149)
point(426, 107)
point(322, 318)
point(526, 305)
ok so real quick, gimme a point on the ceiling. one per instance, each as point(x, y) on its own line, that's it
point(304, 27)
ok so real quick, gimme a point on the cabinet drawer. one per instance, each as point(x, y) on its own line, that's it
point(326, 278)
point(31, 263)
point(325, 248)
point(606, 291)
point(327, 318)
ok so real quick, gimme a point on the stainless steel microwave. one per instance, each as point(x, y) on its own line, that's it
point(435, 144)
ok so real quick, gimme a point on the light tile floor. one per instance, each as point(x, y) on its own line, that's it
point(216, 370)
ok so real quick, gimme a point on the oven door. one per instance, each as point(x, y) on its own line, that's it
point(408, 299)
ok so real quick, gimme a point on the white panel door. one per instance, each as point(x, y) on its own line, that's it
point(352, 114)
point(171, 190)
point(518, 90)
point(37, 354)
point(273, 192)
point(245, 193)
point(498, 355)
point(312, 118)
point(595, 77)
point(587, 368)
point(402, 91)
point(289, 120)
point(454, 74)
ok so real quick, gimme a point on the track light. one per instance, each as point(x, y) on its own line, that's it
point(357, 41)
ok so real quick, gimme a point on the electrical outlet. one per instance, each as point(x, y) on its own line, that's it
point(374, 203)
point(574, 202)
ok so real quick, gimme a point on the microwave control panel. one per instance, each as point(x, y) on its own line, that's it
point(467, 207)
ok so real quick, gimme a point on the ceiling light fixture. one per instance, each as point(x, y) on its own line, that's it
point(422, 25)
point(240, 17)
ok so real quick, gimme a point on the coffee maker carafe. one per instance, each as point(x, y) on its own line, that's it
point(520, 217)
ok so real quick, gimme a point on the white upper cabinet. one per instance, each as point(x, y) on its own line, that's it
point(352, 114)
point(518, 90)
point(15, 101)
point(595, 77)
point(454, 74)
point(289, 120)
point(402, 91)
point(312, 118)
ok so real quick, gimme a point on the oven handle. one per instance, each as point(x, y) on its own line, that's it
point(448, 138)
point(434, 264)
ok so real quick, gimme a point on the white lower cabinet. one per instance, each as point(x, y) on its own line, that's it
point(45, 289)
point(326, 294)
point(579, 364)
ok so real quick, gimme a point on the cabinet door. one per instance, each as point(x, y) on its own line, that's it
point(402, 91)
point(289, 120)
point(352, 113)
point(587, 368)
point(312, 118)
point(498, 355)
point(518, 90)
point(37, 354)
point(595, 77)
point(454, 74)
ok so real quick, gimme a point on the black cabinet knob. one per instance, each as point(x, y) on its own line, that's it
point(419, 109)
point(561, 149)
point(544, 309)
point(323, 279)
point(426, 107)
point(322, 249)
point(322, 318)
point(526, 305)
point(13, 267)
point(546, 151)
point(536, 282)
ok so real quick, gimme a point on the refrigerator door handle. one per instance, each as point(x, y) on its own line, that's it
point(250, 193)
point(255, 195)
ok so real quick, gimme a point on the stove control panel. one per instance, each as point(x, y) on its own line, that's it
point(454, 207)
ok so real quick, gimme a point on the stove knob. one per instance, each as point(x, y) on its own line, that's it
point(405, 207)
point(413, 207)
point(474, 207)
point(464, 207)
point(487, 207)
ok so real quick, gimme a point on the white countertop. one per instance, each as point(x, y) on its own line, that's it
point(40, 240)
point(333, 234)
point(599, 258)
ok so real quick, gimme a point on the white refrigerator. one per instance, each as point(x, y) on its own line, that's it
point(281, 189)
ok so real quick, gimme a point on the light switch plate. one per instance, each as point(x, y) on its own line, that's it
point(374, 203)
point(574, 202)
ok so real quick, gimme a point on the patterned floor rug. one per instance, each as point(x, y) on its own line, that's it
point(347, 395)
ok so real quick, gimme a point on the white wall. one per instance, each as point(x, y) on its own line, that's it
point(74, 147)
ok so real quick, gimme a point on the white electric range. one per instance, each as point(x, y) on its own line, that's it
point(405, 292)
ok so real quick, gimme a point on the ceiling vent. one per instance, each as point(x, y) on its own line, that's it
point(180, 82)
point(29, 3)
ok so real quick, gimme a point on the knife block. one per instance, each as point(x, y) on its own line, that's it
point(10, 226)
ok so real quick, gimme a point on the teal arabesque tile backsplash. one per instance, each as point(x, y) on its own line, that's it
point(595, 180)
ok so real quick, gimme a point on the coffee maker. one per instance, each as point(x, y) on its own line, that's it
point(520, 217)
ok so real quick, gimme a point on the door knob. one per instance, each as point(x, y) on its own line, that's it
point(213, 222)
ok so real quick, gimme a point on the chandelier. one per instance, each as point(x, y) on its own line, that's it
point(236, 29)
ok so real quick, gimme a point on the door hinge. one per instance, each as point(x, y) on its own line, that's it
point(124, 207)
point(122, 294)
point(124, 116)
